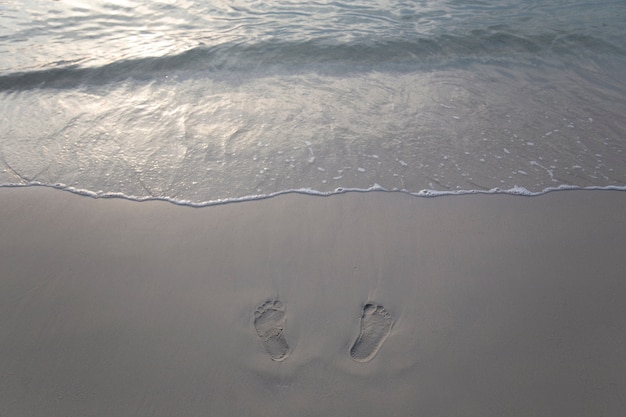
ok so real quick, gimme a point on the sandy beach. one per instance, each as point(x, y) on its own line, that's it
point(359, 304)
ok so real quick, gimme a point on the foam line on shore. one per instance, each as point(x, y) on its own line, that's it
point(520, 191)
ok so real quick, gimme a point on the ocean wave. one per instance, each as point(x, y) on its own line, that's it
point(269, 56)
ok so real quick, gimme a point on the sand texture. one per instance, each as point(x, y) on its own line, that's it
point(360, 304)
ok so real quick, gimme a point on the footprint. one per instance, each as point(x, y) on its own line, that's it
point(376, 325)
point(269, 322)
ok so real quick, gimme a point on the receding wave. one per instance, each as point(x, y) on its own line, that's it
point(399, 55)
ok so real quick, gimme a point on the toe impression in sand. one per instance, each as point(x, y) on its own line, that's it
point(269, 323)
point(376, 325)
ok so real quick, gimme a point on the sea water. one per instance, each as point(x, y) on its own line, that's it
point(199, 102)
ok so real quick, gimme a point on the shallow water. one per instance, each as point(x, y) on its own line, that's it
point(198, 102)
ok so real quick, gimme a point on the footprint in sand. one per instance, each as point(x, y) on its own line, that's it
point(376, 325)
point(269, 322)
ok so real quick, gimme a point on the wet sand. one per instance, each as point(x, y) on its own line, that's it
point(361, 304)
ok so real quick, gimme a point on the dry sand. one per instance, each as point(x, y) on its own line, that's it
point(475, 305)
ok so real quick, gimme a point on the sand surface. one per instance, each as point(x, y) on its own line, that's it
point(379, 304)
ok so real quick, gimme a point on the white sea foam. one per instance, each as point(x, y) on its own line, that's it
point(520, 191)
